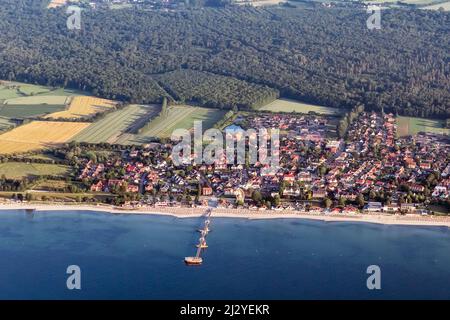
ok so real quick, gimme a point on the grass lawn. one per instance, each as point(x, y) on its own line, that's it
point(16, 170)
point(409, 126)
point(43, 156)
point(287, 105)
point(50, 185)
point(68, 198)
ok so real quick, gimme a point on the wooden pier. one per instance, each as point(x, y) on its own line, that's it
point(204, 231)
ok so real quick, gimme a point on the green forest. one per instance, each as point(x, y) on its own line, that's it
point(236, 56)
point(211, 90)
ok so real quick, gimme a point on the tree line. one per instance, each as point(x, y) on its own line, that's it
point(321, 56)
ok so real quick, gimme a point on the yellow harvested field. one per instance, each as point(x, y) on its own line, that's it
point(38, 135)
point(83, 106)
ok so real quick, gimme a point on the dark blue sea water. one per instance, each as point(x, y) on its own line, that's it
point(141, 257)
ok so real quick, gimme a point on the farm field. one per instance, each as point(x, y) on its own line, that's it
point(178, 117)
point(27, 111)
point(4, 123)
point(82, 106)
point(115, 124)
point(287, 105)
point(416, 2)
point(64, 92)
point(12, 89)
point(409, 126)
point(38, 135)
point(33, 100)
point(15, 170)
point(21, 100)
point(8, 93)
point(445, 5)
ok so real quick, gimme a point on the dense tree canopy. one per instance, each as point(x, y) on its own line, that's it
point(324, 56)
point(211, 90)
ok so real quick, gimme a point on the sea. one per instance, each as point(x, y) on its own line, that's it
point(142, 257)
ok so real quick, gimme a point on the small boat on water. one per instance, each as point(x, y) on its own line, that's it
point(193, 261)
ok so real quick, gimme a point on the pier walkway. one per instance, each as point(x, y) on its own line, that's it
point(204, 231)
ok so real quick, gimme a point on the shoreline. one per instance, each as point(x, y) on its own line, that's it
point(178, 212)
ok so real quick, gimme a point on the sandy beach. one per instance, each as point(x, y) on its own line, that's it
point(388, 219)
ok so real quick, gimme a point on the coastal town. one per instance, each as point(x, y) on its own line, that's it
point(370, 170)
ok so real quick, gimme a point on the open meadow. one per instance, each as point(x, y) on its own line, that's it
point(39, 135)
point(12, 89)
point(42, 99)
point(287, 105)
point(409, 126)
point(110, 128)
point(17, 170)
point(22, 100)
point(8, 92)
point(178, 117)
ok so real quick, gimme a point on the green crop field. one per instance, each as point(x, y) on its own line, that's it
point(287, 105)
point(64, 92)
point(6, 93)
point(179, 117)
point(14, 170)
point(12, 89)
point(21, 100)
point(116, 123)
point(409, 126)
point(27, 111)
point(5, 123)
point(31, 89)
point(61, 100)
